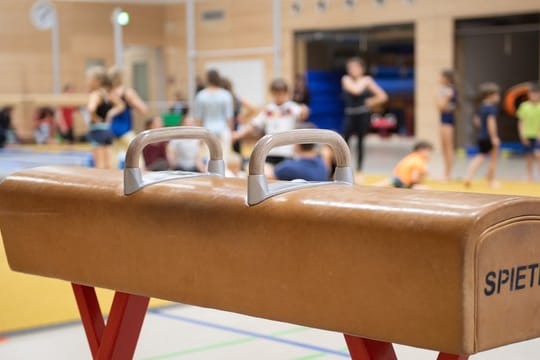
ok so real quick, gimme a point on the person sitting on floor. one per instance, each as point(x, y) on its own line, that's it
point(306, 165)
point(411, 171)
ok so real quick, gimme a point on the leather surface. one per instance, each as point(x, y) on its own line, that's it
point(388, 264)
point(508, 295)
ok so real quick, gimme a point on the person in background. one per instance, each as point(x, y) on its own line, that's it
point(361, 93)
point(488, 136)
point(329, 158)
point(179, 106)
point(446, 103)
point(306, 165)
point(64, 119)
point(122, 123)
point(242, 109)
point(300, 91)
point(412, 170)
point(281, 114)
point(155, 154)
point(185, 154)
point(234, 166)
point(214, 110)
point(44, 125)
point(528, 115)
point(3, 135)
point(199, 84)
point(103, 106)
point(5, 125)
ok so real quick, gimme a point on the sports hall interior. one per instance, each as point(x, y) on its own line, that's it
point(164, 50)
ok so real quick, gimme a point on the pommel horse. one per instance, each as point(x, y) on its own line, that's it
point(452, 272)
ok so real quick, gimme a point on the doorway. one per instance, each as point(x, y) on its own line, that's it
point(144, 72)
point(389, 55)
point(504, 50)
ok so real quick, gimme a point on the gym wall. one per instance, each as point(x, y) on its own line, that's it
point(434, 24)
point(248, 24)
point(86, 33)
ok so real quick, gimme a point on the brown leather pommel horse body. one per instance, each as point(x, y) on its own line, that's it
point(453, 272)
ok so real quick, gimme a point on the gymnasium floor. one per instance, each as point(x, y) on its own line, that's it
point(186, 332)
point(14, 159)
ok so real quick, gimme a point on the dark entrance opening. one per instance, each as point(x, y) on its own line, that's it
point(389, 54)
point(504, 50)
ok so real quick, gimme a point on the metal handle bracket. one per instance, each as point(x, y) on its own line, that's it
point(134, 180)
point(258, 187)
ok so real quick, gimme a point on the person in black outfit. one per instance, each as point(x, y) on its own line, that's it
point(488, 134)
point(361, 94)
point(301, 91)
point(103, 106)
point(5, 124)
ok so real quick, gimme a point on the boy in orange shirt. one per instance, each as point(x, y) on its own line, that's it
point(412, 169)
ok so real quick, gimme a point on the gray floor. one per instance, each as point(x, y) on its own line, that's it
point(186, 332)
point(382, 155)
point(15, 159)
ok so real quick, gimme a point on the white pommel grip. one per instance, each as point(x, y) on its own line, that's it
point(133, 177)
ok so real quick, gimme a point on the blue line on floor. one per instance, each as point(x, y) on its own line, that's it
point(248, 333)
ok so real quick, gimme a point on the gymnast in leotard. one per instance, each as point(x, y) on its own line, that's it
point(122, 123)
point(103, 106)
point(446, 103)
point(361, 94)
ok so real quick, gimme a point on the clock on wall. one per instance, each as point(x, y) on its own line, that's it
point(43, 14)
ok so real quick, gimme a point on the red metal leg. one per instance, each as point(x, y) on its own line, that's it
point(443, 356)
point(366, 349)
point(91, 316)
point(117, 339)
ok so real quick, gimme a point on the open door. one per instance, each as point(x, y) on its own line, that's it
point(144, 71)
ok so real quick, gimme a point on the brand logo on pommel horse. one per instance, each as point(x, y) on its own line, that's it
point(512, 279)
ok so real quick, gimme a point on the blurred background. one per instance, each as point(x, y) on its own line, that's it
point(164, 48)
point(165, 45)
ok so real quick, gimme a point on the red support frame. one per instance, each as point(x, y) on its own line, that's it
point(366, 349)
point(117, 339)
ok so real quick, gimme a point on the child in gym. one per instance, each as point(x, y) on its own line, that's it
point(446, 104)
point(44, 126)
point(488, 137)
point(412, 170)
point(280, 115)
point(103, 106)
point(528, 114)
